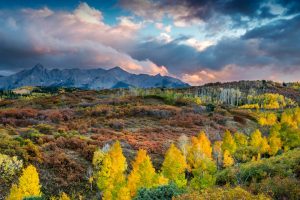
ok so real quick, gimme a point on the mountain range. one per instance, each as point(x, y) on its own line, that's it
point(87, 78)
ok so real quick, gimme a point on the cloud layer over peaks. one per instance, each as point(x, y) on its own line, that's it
point(77, 38)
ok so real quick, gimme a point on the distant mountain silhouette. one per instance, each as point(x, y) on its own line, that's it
point(87, 78)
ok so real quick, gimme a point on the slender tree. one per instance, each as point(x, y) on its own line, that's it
point(228, 143)
point(143, 174)
point(110, 177)
point(174, 166)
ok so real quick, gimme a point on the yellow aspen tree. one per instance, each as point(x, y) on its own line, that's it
point(264, 147)
point(240, 139)
point(256, 139)
point(97, 159)
point(259, 143)
point(174, 166)
point(143, 174)
point(205, 144)
point(228, 143)
point(111, 178)
point(204, 174)
point(29, 185)
point(200, 148)
point(275, 144)
point(227, 159)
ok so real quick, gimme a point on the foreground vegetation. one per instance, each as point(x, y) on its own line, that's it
point(147, 144)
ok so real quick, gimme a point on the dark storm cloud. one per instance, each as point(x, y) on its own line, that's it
point(205, 9)
point(279, 39)
point(177, 57)
point(292, 6)
point(276, 44)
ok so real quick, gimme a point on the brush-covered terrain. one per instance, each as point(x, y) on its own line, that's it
point(219, 141)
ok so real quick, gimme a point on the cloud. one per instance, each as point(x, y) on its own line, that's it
point(221, 41)
point(236, 73)
point(162, 27)
point(151, 10)
point(87, 14)
point(78, 38)
point(271, 48)
point(191, 12)
point(198, 45)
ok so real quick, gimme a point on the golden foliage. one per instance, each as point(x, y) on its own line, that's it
point(267, 119)
point(275, 144)
point(228, 143)
point(143, 174)
point(64, 196)
point(227, 159)
point(110, 178)
point(259, 143)
point(200, 148)
point(240, 139)
point(174, 166)
point(29, 185)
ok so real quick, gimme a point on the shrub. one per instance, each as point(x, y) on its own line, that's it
point(31, 134)
point(278, 187)
point(116, 124)
point(44, 128)
point(34, 198)
point(166, 192)
point(222, 194)
point(284, 165)
point(210, 108)
point(9, 166)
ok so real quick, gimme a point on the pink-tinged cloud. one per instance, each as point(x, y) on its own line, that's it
point(235, 73)
point(79, 38)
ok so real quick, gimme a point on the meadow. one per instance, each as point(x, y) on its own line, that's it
point(67, 143)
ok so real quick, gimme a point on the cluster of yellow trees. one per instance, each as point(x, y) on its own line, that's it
point(192, 162)
point(267, 119)
point(196, 160)
point(291, 117)
point(268, 101)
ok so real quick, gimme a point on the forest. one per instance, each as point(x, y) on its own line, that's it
point(215, 142)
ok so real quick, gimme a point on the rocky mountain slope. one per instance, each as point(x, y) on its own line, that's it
point(87, 78)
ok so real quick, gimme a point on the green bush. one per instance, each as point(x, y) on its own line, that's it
point(284, 165)
point(221, 194)
point(166, 192)
point(278, 187)
point(34, 198)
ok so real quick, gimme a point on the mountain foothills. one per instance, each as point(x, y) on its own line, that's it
point(222, 141)
point(87, 78)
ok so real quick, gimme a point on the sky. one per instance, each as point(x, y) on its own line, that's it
point(197, 41)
